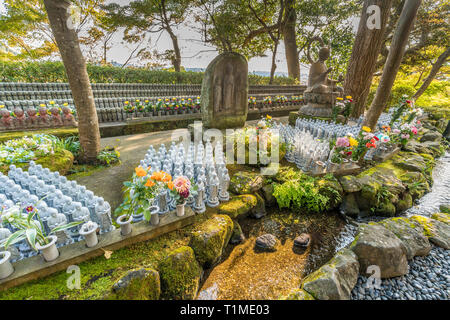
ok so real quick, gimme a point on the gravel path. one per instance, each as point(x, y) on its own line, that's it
point(428, 279)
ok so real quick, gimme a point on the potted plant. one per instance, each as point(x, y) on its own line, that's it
point(140, 193)
point(89, 231)
point(180, 189)
point(31, 229)
point(6, 268)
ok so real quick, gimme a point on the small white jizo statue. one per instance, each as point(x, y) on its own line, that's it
point(58, 219)
point(103, 213)
point(79, 213)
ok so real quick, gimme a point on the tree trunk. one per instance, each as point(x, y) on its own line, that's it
point(274, 65)
point(367, 47)
point(394, 59)
point(434, 70)
point(290, 41)
point(80, 85)
point(176, 61)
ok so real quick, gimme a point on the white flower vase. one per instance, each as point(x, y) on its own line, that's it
point(154, 215)
point(90, 235)
point(6, 268)
point(49, 251)
point(180, 209)
point(125, 225)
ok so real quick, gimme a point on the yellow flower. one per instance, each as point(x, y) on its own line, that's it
point(42, 105)
point(339, 98)
point(366, 129)
point(137, 100)
point(65, 104)
point(348, 97)
point(52, 102)
point(2, 106)
point(146, 101)
point(268, 117)
point(127, 102)
point(352, 142)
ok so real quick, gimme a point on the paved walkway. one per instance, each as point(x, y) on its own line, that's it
point(108, 183)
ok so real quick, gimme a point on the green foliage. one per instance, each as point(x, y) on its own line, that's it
point(54, 72)
point(301, 194)
point(109, 156)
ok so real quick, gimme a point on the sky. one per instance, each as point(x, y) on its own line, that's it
point(195, 54)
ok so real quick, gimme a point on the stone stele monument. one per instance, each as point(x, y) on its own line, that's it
point(224, 99)
point(321, 92)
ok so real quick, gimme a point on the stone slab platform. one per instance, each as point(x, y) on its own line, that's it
point(35, 267)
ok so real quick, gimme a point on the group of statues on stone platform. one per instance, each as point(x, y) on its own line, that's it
point(32, 118)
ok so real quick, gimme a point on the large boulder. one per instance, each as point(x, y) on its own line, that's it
point(415, 241)
point(237, 236)
point(180, 274)
point(297, 294)
point(142, 284)
point(437, 232)
point(336, 279)
point(431, 136)
point(376, 245)
point(332, 189)
point(442, 217)
point(349, 205)
point(410, 162)
point(259, 210)
point(246, 182)
point(238, 206)
point(350, 184)
point(416, 182)
point(210, 239)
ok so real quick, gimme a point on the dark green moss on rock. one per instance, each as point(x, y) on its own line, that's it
point(142, 284)
point(297, 294)
point(180, 274)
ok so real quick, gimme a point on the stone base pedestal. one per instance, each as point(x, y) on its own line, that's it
point(319, 104)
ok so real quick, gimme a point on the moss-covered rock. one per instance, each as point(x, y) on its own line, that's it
point(368, 195)
point(334, 280)
point(331, 189)
point(350, 184)
point(436, 231)
point(180, 274)
point(349, 205)
point(245, 182)
point(297, 294)
point(142, 284)
point(61, 161)
point(238, 235)
point(404, 203)
point(259, 210)
point(442, 217)
point(412, 162)
point(415, 241)
point(210, 239)
point(385, 208)
point(238, 206)
point(445, 208)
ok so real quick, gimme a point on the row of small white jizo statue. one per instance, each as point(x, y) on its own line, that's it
point(203, 164)
point(58, 202)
